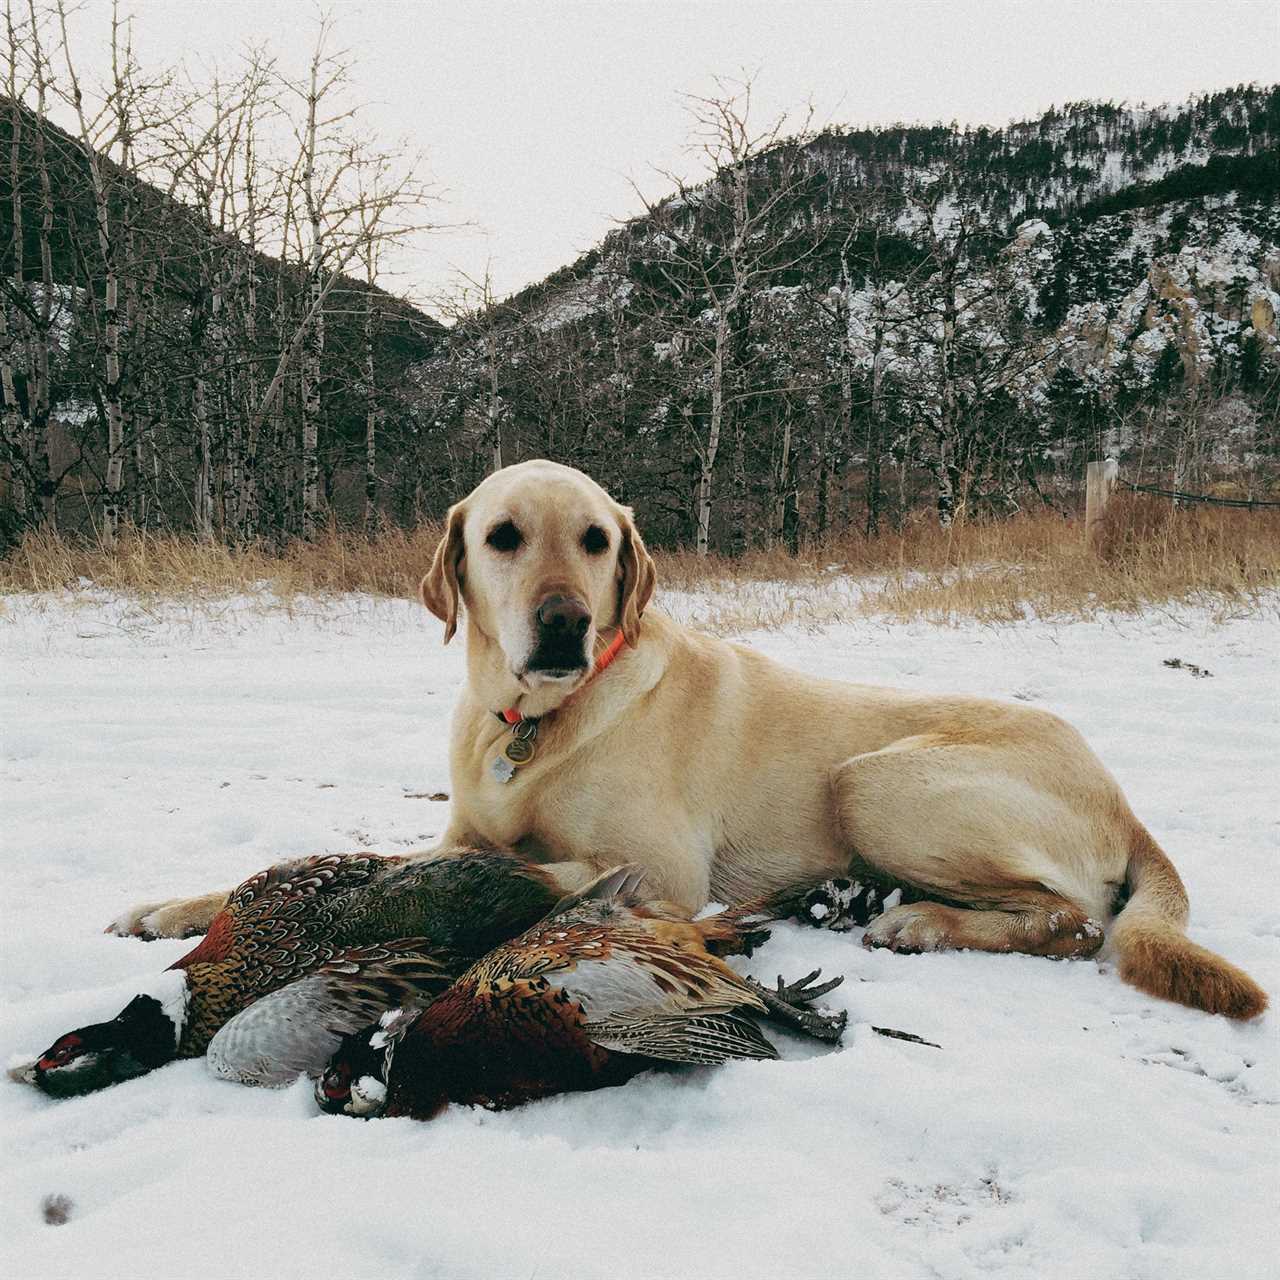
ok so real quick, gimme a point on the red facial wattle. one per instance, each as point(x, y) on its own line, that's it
point(60, 1054)
point(337, 1083)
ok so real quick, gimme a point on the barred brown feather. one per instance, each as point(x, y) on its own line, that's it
point(603, 988)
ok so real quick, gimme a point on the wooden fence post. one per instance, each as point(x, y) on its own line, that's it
point(1100, 481)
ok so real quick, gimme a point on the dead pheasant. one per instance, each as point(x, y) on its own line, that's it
point(605, 987)
point(318, 927)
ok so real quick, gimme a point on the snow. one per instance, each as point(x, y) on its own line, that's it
point(1066, 1121)
point(171, 990)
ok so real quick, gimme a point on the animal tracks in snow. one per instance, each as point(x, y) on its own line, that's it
point(941, 1206)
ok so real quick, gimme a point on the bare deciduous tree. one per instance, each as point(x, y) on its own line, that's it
point(713, 246)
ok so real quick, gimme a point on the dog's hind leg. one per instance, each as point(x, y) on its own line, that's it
point(1049, 926)
point(1007, 859)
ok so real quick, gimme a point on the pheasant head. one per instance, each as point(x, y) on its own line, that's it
point(142, 1036)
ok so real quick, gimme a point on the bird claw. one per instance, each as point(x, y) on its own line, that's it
point(826, 1026)
point(750, 939)
point(800, 993)
point(789, 1004)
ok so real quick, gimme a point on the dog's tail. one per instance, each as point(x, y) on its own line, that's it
point(1154, 953)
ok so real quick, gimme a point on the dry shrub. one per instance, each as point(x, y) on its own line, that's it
point(389, 564)
point(1153, 553)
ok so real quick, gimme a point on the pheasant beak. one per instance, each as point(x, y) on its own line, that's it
point(24, 1072)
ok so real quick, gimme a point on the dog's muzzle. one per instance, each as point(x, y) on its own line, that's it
point(561, 627)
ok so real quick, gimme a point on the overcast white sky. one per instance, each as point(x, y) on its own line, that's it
point(536, 117)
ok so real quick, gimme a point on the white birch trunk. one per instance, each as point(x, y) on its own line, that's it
point(245, 520)
point(948, 415)
point(16, 430)
point(875, 437)
point(313, 342)
point(39, 394)
point(707, 459)
point(109, 382)
point(371, 411)
point(782, 482)
point(493, 411)
point(202, 498)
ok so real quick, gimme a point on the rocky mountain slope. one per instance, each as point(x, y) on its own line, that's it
point(930, 315)
point(827, 333)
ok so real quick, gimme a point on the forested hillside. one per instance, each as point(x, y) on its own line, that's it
point(830, 332)
point(838, 330)
point(193, 335)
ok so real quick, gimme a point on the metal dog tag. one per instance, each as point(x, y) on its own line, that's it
point(517, 752)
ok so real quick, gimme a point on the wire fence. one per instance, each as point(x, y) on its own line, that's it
point(1179, 496)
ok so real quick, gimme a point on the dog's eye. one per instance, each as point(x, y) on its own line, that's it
point(504, 537)
point(595, 540)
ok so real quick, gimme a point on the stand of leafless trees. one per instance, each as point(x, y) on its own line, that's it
point(192, 276)
point(752, 363)
point(195, 333)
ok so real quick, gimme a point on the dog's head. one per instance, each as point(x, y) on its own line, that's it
point(543, 560)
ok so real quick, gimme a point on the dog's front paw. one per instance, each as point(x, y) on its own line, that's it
point(174, 918)
point(136, 922)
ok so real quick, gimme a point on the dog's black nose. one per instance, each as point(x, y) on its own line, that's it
point(564, 616)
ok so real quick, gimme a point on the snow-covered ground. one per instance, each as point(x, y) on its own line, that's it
point(1068, 1124)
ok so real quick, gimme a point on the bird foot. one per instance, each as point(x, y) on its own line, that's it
point(789, 1004)
point(841, 904)
point(804, 991)
point(747, 942)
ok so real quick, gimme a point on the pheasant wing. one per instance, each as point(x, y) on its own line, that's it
point(619, 885)
point(307, 878)
point(707, 1038)
point(296, 1029)
point(644, 973)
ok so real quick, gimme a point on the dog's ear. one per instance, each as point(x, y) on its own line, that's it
point(637, 578)
point(439, 590)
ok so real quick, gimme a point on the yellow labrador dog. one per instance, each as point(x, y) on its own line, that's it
point(728, 776)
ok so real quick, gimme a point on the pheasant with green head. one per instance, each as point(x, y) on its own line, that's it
point(603, 988)
point(303, 953)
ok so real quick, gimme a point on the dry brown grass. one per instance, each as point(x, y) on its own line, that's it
point(169, 566)
point(1155, 555)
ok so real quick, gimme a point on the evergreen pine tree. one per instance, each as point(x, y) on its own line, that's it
point(1168, 372)
point(1250, 360)
point(1055, 296)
